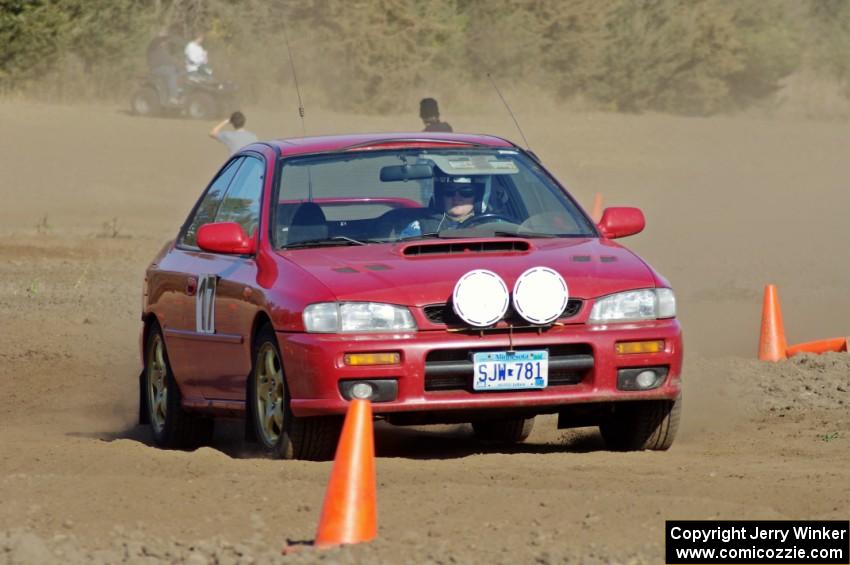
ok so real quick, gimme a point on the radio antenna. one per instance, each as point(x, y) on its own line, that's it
point(516, 123)
point(300, 108)
point(295, 78)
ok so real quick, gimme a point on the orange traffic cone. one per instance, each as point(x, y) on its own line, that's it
point(596, 211)
point(837, 344)
point(349, 514)
point(772, 344)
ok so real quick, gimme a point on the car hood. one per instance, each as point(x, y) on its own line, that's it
point(425, 272)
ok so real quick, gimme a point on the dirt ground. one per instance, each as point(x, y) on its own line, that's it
point(89, 194)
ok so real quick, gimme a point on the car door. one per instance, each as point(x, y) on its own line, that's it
point(185, 268)
point(236, 298)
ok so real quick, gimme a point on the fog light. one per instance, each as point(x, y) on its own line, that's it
point(382, 358)
point(632, 347)
point(646, 379)
point(375, 390)
point(361, 391)
point(641, 378)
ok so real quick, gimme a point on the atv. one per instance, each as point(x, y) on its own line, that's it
point(202, 98)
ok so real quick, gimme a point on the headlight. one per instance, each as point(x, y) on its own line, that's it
point(646, 304)
point(333, 317)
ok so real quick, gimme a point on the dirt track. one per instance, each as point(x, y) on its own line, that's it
point(90, 194)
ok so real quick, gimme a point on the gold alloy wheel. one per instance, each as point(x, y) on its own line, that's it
point(269, 395)
point(157, 383)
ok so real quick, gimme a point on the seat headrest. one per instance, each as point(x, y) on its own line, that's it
point(308, 223)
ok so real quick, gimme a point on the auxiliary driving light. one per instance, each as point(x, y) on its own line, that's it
point(480, 298)
point(641, 378)
point(540, 295)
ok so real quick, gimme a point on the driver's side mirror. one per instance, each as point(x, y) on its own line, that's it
point(621, 222)
point(225, 237)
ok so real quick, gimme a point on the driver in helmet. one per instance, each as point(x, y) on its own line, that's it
point(456, 200)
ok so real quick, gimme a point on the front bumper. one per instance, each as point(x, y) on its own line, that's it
point(314, 366)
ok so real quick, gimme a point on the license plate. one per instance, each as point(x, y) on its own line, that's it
point(510, 370)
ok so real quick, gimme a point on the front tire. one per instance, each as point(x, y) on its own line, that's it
point(646, 425)
point(171, 425)
point(508, 430)
point(280, 433)
point(145, 102)
point(201, 106)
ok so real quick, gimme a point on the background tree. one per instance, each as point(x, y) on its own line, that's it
point(31, 40)
point(828, 34)
point(375, 56)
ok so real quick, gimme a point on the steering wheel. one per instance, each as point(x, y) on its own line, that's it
point(484, 219)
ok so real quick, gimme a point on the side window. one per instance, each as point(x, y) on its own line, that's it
point(242, 202)
point(206, 211)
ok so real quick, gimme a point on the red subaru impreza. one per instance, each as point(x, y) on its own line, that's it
point(444, 277)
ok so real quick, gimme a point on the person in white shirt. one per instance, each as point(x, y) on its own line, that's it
point(196, 55)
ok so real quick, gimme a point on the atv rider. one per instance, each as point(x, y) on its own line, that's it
point(164, 65)
point(196, 56)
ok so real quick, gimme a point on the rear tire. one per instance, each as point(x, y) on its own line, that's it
point(509, 430)
point(172, 426)
point(201, 106)
point(636, 426)
point(145, 102)
point(280, 433)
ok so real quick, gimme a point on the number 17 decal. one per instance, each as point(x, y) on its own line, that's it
point(205, 304)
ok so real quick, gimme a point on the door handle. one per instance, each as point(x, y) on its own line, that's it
point(191, 286)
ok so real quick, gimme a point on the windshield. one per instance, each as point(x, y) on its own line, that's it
point(408, 194)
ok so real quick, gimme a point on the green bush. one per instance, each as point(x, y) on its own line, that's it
point(31, 40)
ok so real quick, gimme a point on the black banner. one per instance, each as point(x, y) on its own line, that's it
point(694, 542)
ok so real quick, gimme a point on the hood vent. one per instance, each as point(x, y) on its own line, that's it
point(456, 247)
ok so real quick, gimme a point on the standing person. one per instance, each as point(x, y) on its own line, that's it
point(196, 55)
point(430, 114)
point(236, 139)
point(163, 64)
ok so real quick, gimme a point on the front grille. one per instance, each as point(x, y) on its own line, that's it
point(441, 314)
point(452, 369)
point(444, 314)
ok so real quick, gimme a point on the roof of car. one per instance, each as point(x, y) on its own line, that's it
point(320, 144)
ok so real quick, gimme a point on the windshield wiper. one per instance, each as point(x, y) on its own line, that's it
point(529, 234)
point(467, 234)
point(336, 240)
point(427, 235)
